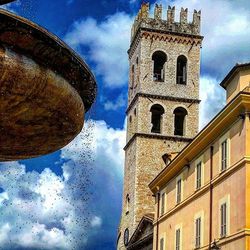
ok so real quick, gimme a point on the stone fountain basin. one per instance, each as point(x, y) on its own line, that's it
point(45, 90)
point(6, 1)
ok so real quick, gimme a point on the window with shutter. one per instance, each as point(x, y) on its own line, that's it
point(198, 175)
point(178, 240)
point(224, 155)
point(162, 203)
point(198, 232)
point(162, 244)
point(223, 215)
point(178, 195)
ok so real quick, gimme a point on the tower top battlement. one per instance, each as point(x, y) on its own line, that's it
point(143, 20)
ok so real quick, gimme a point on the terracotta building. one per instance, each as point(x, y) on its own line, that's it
point(202, 196)
point(163, 110)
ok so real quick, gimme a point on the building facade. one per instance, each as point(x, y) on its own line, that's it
point(163, 105)
point(202, 196)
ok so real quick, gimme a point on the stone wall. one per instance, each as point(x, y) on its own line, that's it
point(144, 150)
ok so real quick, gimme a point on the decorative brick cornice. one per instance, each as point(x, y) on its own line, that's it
point(161, 35)
point(161, 97)
point(157, 136)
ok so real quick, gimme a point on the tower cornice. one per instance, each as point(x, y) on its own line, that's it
point(158, 136)
point(163, 35)
point(161, 97)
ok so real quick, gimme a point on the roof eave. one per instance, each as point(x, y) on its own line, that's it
point(204, 137)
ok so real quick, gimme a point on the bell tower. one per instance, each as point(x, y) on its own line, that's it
point(163, 104)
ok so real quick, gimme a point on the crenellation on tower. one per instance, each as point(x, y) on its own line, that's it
point(170, 15)
point(197, 20)
point(183, 16)
point(158, 12)
point(144, 21)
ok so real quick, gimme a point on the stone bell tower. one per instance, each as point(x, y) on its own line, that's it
point(163, 104)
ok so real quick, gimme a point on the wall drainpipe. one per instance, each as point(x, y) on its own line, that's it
point(157, 223)
point(211, 197)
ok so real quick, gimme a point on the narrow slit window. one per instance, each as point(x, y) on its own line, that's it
point(127, 203)
point(181, 77)
point(132, 77)
point(159, 58)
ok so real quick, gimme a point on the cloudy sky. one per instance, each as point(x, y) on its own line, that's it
point(71, 199)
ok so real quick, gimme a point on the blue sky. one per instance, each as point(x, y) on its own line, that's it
point(71, 199)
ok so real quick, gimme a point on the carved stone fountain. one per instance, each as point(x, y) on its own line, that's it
point(45, 90)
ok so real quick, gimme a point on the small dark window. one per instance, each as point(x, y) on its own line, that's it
point(159, 59)
point(126, 237)
point(181, 77)
point(127, 203)
point(135, 112)
point(130, 118)
point(137, 60)
point(179, 121)
point(132, 76)
point(156, 117)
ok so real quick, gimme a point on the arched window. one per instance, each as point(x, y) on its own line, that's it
point(159, 59)
point(181, 73)
point(179, 121)
point(156, 116)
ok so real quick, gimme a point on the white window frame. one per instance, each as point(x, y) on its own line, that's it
point(225, 200)
point(179, 178)
point(201, 161)
point(178, 227)
point(163, 202)
point(197, 216)
point(162, 237)
point(223, 139)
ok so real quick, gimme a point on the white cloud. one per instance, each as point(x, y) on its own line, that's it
point(226, 33)
point(107, 43)
point(120, 102)
point(96, 221)
point(212, 99)
point(47, 211)
point(97, 139)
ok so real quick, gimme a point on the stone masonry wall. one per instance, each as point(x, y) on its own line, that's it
point(144, 119)
point(173, 49)
point(144, 150)
point(149, 164)
point(127, 219)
